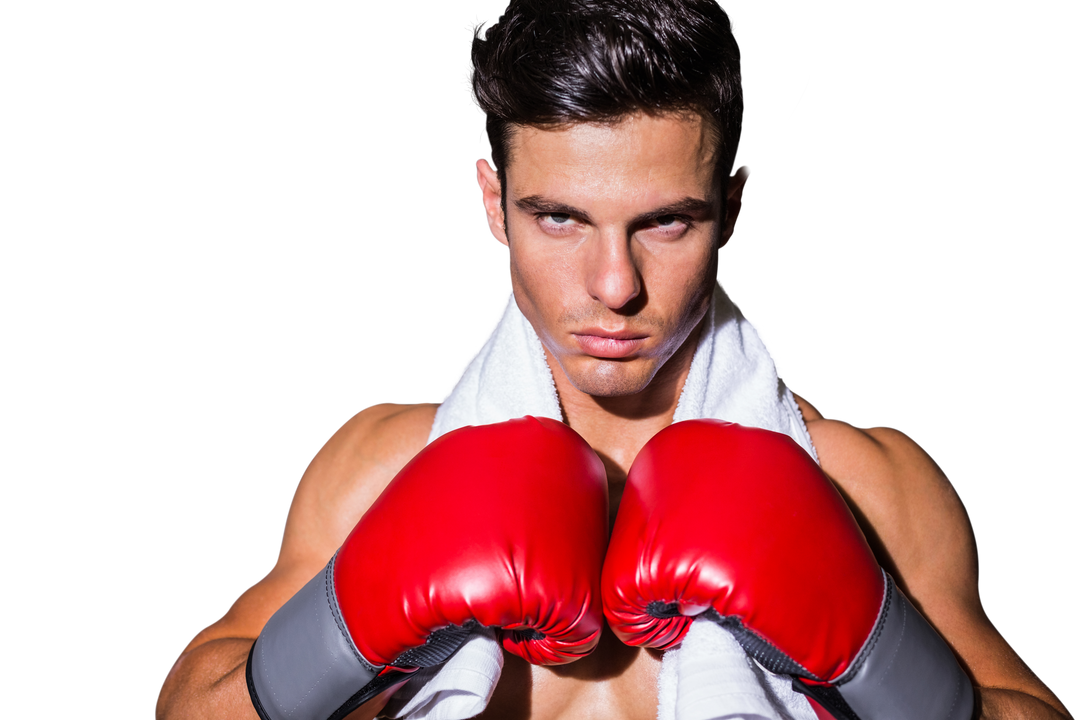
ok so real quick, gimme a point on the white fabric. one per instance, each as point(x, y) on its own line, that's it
point(732, 377)
point(459, 688)
point(709, 677)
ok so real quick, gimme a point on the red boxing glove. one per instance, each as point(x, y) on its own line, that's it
point(500, 526)
point(741, 523)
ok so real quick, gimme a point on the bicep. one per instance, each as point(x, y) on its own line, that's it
point(923, 525)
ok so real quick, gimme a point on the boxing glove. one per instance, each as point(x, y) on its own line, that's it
point(500, 526)
point(741, 524)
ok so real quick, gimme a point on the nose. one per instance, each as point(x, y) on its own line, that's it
point(613, 276)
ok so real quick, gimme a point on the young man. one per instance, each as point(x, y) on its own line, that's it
point(613, 127)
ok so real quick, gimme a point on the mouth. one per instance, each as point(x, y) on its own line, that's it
point(608, 344)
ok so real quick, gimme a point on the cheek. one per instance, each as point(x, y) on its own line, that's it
point(679, 277)
point(703, 273)
point(523, 275)
point(542, 282)
point(699, 288)
point(544, 290)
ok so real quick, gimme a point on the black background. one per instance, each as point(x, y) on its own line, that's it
point(325, 249)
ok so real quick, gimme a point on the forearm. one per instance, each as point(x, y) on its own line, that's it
point(209, 682)
point(999, 704)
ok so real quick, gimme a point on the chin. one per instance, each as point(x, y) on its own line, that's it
point(610, 378)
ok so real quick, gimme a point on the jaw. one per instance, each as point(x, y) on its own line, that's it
point(601, 377)
point(631, 388)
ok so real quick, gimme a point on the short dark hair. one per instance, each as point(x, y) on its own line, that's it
point(553, 62)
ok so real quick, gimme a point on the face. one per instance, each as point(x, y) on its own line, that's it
point(613, 232)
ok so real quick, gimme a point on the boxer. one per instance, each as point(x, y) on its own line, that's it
point(614, 125)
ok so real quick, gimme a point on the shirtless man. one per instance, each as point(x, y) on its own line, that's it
point(613, 205)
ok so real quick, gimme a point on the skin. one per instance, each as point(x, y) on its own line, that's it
point(613, 232)
point(583, 270)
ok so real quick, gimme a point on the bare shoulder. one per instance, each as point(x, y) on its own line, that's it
point(350, 471)
point(907, 507)
point(342, 481)
point(920, 532)
point(854, 451)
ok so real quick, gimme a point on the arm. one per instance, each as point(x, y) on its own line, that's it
point(1003, 704)
point(340, 484)
point(920, 532)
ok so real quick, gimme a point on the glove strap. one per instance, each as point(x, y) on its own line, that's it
point(905, 671)
point(304, 665)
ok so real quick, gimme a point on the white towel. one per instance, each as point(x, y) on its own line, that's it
point(459, 688)
point(732, 377)
point(708, 677)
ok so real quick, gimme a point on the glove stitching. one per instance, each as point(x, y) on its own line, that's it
point(249, 677)
point(896, 650)
point(272, 686)
point(875, 635)
point(326, 647)
point(955, 696)
point(262, 656)
point(313, 685)
point(335, 613)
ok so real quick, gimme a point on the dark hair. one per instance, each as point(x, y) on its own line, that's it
point(551, 62)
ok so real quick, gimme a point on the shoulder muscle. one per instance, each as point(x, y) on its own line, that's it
point(908, 509)
point(346, 476)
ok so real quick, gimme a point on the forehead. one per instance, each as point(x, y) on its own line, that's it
point(636, 156)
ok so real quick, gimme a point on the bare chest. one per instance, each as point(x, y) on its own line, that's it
point(615, 681)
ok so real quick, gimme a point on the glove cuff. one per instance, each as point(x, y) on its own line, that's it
point(304, 665)
point(905, 671)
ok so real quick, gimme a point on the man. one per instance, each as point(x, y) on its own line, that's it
point(613, 134)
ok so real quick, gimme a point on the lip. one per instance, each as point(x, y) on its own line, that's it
point(610, 344)
point(612, 334)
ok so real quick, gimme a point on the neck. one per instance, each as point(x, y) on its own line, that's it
point(618, 427)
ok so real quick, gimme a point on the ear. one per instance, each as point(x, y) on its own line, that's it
point(492, 192)
point(733, 203)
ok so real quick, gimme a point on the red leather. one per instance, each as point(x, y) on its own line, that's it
point(741, 520)
point(503, 524)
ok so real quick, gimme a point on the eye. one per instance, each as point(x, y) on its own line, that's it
point(671, 225)
point(564, 222)
point(556, 223)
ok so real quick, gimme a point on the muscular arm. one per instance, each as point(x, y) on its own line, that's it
point(342, 481)
point(921, 534)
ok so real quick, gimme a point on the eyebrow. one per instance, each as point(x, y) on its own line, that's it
point(685, 206)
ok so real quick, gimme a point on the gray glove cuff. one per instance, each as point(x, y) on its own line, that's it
point(304, 665)
point(905, 671)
